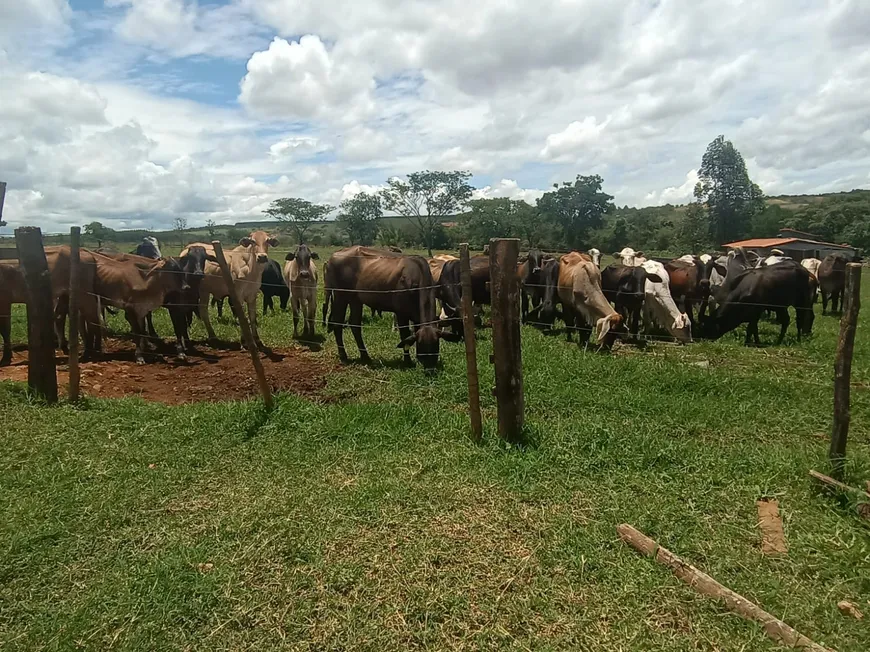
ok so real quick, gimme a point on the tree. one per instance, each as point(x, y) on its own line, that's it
point(575, 207)
point(693, 232)
point(300, 214)
point(724, 186)
point(210, 225)
point(619, 236)
point(359, 217)
point(99, 232)
point(179, 225)
point(426, 197)
point(501, 218)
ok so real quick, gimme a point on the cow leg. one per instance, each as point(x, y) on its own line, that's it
point(783, 318)
point(267, 303)
point(252, 317)
point(687, 308)
point(326, 295)
point(285, 297)
point(296, 307)
point(570, 318)
point(336, 323)
point(310, 316)
point(525, 305)
point(61, 308)
point(179, 327)
point(404, 333)
point(137, 326)
point(356, 313)
point(824, 302)
point(206, 320)
point(153, 338)
point(219, 304)
point(5, 332)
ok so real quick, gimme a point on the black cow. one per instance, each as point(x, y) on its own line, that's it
point(148, 248)
point(624, 288)
point(529, 272)
point(182, 305)
point(832, 281)
point(450, 288)
point(273, 285)
point(544, 313)
point(766, 288)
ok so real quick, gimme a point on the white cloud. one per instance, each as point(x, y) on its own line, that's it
point(294, 147)
point(674, 194)
point(509, 189)
point(364, 144)
point(303, 80)
point(574, 138)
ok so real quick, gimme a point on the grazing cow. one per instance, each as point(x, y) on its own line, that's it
point(580, 291)
point(300, 274)
point(148, 248)
point(774, 288)
point(246, 263)
point(450, 288)
point(362, 276)
point(690, 283)
point(832, 281)
point(812, 266)
point(436, 264)
point(274, 285)
point(658, 304)
point(13, 289)
point(624, 288)
point(544, 313)
point(123, 284)
point(629, 257)
point(595, 255)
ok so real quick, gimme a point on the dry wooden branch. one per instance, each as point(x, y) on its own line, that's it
point(706, 585)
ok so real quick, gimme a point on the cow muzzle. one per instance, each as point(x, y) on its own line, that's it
point(304, 273)
point(262, 258)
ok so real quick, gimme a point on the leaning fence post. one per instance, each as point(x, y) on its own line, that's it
point(843, 369)
point(245, 327)
point(470, 345)
point(505, 288)
point(41, 365)
point(74, 265)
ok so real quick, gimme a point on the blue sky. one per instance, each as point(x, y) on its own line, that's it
point(140, 111)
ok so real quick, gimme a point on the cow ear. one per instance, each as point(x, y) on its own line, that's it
point(272, 242)
point(638, 254)
point(602, 327)
point(720, 268)
point(315, 255)
point(211, 257)
point(655, 278)
point(408, 341)
point(450, 337)
point(290, 256)
point(615, 254)
point(246, 242)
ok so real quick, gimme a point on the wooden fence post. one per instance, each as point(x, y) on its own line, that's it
point(505, 288)
point(843, 369)
point(74, 266)
point(470, 345)
point(245, 327)
point(41, 365)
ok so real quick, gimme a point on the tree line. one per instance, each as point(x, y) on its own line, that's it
point(437, 210)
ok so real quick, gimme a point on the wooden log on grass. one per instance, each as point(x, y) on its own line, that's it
point(706, 585)
point(244, 326)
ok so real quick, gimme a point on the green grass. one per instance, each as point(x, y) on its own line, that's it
point(368, 520)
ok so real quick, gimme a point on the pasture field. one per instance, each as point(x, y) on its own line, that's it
point(360, 517)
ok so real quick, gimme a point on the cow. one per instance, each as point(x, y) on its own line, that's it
point(450, 288)
point(148, 248)
point(246, 263)
point(362, 276)
point(832, 281)
point(629, 257)
point(658, 304)
point(545, 312)
point(624, 288)
point(181, 305)
point(274, 285)
point(595, 255)
point(774, 287)
point(530, 272)
point(579, 289)
point(690, 283)
point(300, 275)
point(812, 266)
point(13, 289)
point(123, 284)
point(436, 264)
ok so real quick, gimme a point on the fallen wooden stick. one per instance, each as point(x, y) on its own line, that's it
point(706, 585)
point(824, 479)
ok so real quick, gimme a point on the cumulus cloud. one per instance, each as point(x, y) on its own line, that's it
point(510, 189)
point(301, 79)
point(674, 194)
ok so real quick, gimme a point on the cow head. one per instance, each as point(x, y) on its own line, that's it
point(629, 256)
point(303, 257)
point(595, 254)
point(259, 242)
point(535, 258)
point(427, 343)
point(148, 248)
point(607, 328)
point(193, 264)
point(171, 274)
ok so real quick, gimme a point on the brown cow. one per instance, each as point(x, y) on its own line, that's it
point(582, 297)
point(363, 276)
point(246, 262)
point(832, 281)
point(13, 289)
point(690, 283)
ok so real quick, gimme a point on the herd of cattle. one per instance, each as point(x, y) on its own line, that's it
point(686, 297)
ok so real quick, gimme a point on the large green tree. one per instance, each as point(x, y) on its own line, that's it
point(359, 218)
point(693, 230)
point(426, 197)
point(575, 207)
point(300, 214)
point(99, 232)
point(730, 196)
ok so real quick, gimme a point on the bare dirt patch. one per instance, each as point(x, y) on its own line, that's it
point(208, 374)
